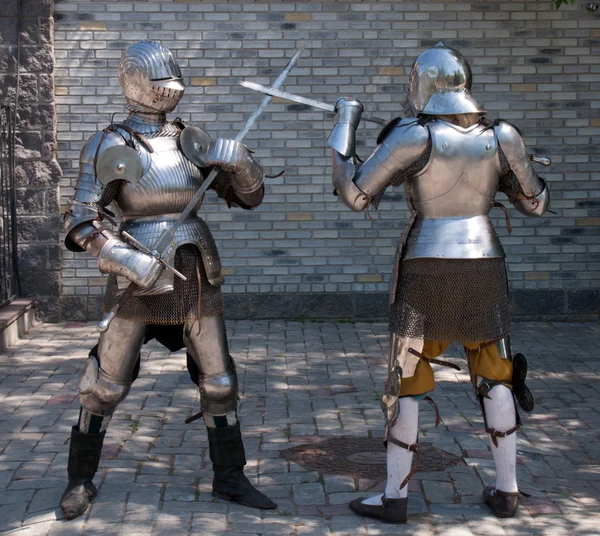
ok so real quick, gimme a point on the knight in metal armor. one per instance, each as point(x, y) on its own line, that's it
point(449, 281)
point(147, 174)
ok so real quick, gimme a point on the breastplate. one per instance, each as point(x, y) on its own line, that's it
point(453, 195)
point(167, 186)
point(152, 205)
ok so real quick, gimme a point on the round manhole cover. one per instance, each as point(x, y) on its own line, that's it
point(361, 457)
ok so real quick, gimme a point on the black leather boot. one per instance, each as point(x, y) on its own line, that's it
point(502, 503)
point(522, 393)
point(84, 456)
point(226, 451)
point(390, 511)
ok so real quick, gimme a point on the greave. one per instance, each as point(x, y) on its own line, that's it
point(501, 416)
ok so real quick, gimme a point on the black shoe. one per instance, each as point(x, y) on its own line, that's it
point(522, 393)
point(231, 484)
point(502, 503)
point(226, 451)
point(84, 456)
point(391, 511)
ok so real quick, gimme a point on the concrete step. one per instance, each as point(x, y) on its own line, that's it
point(16, 319)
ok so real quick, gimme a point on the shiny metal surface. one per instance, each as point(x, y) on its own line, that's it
point(167, 187)
point(194, 144)
point(514, 149)
point(440, 83)
point(401, 147)
point(85, 237)
point(234, 157)
point(453, 238)
point(461, 177)
point(210, 351)
point(119, 163)
point(194, 230)
point(536, 206)
point(343, 136)
point(117, 257)
point(105, 383)
point(343, 173)
point(504, 349)
point(88, 189)
point(150, 77)
point(304, 100)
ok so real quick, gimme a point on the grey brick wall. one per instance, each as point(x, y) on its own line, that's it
point(301, 253)
point(37, 171)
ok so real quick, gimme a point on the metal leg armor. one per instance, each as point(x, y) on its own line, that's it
point(206, 342)
point(401, 363)
point(104, 383)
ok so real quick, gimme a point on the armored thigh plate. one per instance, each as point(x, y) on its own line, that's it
point(401, 364)
point(206, 342)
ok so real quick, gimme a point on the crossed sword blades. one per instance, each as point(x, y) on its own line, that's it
point(168, 235)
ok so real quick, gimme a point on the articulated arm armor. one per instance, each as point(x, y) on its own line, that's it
point(243, 173)
point(535, 198)
point(403, 145)
point(83, 220)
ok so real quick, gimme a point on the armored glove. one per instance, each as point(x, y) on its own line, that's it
point(235, 158)
point(342, 138)
point(116, 257)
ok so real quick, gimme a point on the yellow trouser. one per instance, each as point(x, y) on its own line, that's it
point(486, 362)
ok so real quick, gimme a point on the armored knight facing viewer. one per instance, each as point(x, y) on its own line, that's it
point(449, 280)
point(144, 170)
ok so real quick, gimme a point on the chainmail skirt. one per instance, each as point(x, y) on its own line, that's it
point(451, 299)
point(190, 299)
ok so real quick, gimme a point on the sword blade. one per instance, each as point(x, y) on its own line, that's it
point(278, 82)
point(167, 237)
point(303, 100)
point(288, 96)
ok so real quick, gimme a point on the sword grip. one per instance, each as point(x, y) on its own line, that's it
point(543, 160)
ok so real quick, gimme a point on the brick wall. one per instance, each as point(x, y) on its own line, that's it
point(37, 171)
point(301, 254)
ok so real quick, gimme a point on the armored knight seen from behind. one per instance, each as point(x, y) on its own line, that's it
point(449, 280)
point(143, 171)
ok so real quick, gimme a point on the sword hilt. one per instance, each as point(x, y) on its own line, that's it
point(154, 254)
point(542, 160)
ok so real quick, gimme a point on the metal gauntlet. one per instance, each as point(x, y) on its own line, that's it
point(342, 138)
point(116, 257)
point(235, 158)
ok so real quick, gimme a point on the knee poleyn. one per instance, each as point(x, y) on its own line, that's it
point(219, 393)
point(97, 393)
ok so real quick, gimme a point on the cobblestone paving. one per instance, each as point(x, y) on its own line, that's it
point(298, 380)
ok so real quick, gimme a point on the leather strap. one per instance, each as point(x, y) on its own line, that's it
point(432, 360)
point(412, 448)
point(495, 434)
point(506, 218)
point(437, 411)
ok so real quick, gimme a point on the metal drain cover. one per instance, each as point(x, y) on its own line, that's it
point(361, 457)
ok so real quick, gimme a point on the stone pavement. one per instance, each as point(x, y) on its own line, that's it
point(298, 380)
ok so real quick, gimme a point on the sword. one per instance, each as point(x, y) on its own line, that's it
point(169, 234)
point(274, 92)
